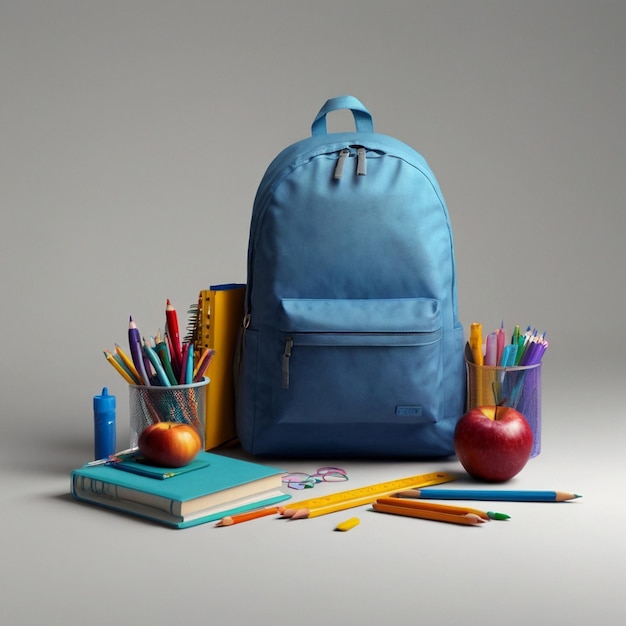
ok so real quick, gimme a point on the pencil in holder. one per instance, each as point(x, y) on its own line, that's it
point(518, 387)
point(178, 403)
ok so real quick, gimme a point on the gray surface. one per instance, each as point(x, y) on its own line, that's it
point(133, 138)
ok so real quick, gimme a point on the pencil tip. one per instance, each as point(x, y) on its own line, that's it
point(577, 495)
point(497, 516)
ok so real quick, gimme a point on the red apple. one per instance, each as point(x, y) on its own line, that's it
point(493, 443)
point(169, 444)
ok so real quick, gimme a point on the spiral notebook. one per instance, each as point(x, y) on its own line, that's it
point(215, 323)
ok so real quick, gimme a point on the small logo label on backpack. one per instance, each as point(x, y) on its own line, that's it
point(409, 410)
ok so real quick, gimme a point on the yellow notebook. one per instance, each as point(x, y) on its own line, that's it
point(218, 319)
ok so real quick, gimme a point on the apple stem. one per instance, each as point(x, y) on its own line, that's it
point(499, 404)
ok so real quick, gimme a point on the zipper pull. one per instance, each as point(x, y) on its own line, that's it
point(286, 357)
point(361, 166)
point(340, 163)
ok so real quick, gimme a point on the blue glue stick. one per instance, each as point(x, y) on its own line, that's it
point(104, 424)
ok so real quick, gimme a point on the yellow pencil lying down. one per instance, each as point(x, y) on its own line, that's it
point(434, 511)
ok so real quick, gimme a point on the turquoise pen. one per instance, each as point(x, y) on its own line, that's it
point(493, 495)
point(189, 368)
point(156, 363)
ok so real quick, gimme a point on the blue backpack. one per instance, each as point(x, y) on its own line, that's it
point(351, 344)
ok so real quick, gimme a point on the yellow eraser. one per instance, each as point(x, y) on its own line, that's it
point(348, 524)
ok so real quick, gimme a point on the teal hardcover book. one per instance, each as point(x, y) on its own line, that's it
point(221, 486)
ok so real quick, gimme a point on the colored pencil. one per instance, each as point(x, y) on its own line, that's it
point(468, 519)
point(442, 508)
point(173, 336)
point(203, 363)
point(230, 520)
point(129, 364)
point(156, 364)
point(164, 355)
point(493, 495)
point(125, 375)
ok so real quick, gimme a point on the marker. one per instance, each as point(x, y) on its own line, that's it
point(491, 349)
point(476, 342)
point(501, 340)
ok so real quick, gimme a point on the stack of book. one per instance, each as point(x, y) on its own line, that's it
point(211, 487)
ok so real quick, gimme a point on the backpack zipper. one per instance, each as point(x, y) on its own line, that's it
point(360, 161)
point(377, 339)
point(340, 163)
point(286, 357)
point(361, 167)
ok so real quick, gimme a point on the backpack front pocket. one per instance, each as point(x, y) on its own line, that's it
point(359, 361)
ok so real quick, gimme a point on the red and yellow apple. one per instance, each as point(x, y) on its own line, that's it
point(493, 443)
point(169, 444)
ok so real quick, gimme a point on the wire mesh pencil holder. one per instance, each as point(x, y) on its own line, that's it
point(179, 403)
point(518, 387)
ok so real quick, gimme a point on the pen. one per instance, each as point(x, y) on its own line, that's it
point(492, 495)
point(113, 458)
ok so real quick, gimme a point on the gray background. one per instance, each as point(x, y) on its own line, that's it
point(133, 136)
